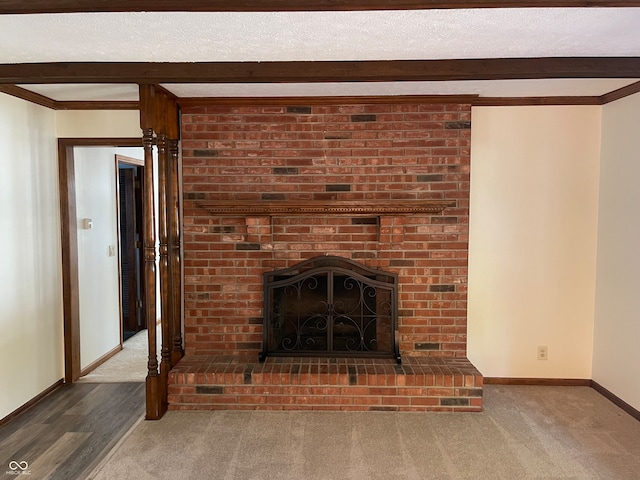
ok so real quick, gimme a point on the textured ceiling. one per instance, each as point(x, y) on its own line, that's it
point(298, 36)
point(284, 36)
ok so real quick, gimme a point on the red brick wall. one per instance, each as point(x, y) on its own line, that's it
point(349, 152)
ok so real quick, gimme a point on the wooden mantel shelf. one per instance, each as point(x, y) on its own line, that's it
point(360, 208)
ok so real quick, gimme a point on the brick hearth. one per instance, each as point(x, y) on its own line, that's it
point(303, 383)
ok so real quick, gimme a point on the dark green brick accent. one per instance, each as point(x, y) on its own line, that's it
point(454, 402)
point(272, 196)
point(401, 263)
point(457, 125)
point(209, 390)
point(256, 320)
point(353, 376)
point(194, 196)
point(442, 288)
point(426, 346)
point(364, 221)
point(338, 188)
point(363, 255)
point(304, 110)
point(430, 178)
point(364, 118)
point(206, 153)
point(246, 376)
point(335, 136)
point(247, 246)
point(285, 171)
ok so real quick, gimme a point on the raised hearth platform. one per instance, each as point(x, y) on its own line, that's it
point(303, 383)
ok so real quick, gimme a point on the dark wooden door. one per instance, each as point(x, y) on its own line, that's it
point(132, 320)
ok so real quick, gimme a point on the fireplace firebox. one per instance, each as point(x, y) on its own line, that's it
point(330, 306)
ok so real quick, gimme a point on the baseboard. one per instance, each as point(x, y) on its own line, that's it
point(616, 400)
point(546, 382)
point(32, 402)
point(100, 361)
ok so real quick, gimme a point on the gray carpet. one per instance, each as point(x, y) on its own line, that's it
point(524, 433)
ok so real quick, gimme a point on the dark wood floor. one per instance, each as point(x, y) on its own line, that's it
point(69, 432)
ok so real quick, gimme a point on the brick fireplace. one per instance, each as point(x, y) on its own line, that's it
point(268, 187)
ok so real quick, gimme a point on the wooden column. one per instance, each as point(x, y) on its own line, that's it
point(159, 117)
point(165, 294)
point(175, 273)
point(154, 394)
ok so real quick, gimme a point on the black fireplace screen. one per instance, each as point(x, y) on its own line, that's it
point(330, 306)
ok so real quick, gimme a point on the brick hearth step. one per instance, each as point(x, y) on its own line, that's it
point(304, 383)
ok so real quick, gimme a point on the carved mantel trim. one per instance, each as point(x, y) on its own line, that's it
point(353, 208)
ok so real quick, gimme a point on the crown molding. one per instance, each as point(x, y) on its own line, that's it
point(44, 101)
point(534, 101)
point(79, 6)
point(620, 93)
point(28, 95)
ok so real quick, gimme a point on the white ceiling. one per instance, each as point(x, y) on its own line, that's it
point(298, 36)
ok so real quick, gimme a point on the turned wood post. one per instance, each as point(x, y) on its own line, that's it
point(175, 273)
point(165, 294)
point(149, 301)
point(155, 397)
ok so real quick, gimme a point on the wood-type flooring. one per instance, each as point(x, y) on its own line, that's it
point(69, 432)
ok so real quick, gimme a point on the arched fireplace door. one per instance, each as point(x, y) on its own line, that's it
point(330, 306)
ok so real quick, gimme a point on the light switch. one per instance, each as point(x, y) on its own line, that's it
point(87, 223)
point(112, 250)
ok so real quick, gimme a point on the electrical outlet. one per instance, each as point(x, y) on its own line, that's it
point(542, 352)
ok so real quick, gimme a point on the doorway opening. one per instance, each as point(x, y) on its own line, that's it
point(130, 177)
point(79, 228)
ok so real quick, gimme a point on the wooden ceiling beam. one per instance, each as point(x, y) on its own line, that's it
point(319, 72)
point(76, 6)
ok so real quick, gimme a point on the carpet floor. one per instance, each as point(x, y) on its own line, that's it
point(128, 365)
point(525, 432)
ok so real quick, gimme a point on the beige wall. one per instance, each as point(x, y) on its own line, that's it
point(616, 353)
point(98, 124)
point(533, 223)
point(31, 352)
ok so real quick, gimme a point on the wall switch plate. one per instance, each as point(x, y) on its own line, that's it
point(112, 250)
point(543, 353)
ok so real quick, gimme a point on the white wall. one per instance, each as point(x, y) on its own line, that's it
point(532, 253)
point(616, 352)
point(98, 124)
point(98, 272)
point(31, 343)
